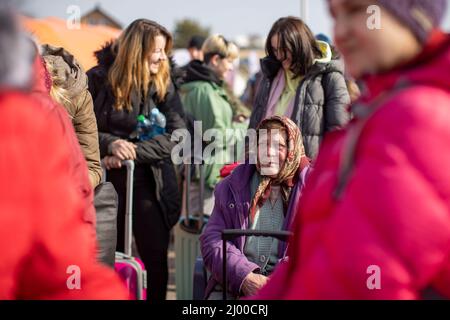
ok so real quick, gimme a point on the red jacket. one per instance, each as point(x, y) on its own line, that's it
point(42, 231)
point(395, 209)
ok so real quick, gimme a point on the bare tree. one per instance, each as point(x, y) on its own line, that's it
point(187, 28)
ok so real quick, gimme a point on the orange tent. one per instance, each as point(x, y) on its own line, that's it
point(80, 42)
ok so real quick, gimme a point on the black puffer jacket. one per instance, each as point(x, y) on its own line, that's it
point(113, 125)
point(321, 101)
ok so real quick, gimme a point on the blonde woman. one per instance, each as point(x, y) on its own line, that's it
point(133, 77)
point(205, 99)
point(70, 89)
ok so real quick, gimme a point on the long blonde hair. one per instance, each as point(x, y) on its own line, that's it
point(130, 72)
point(57, 91)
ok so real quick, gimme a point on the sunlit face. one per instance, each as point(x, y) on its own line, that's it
point(279, 54)
point(272, 152)
point(370, 50)
point(222, 67)
point(158, 55)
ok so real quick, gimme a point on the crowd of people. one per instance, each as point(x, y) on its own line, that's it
point(352, 145)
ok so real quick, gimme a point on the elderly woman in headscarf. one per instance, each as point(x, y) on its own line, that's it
point(258, 196)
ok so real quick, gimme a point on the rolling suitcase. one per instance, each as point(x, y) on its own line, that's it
point(106, 204)
point(131, 269)
point(187, 244)
point(229, 234)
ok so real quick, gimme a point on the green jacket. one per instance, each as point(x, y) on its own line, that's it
point(208, 102)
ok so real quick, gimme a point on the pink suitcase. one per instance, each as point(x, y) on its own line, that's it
point(131, 269)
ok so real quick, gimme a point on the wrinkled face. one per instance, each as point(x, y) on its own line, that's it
point(279, 54)
point(158, 55)
point(368, 49)
point(222, 67)
point(272, 152)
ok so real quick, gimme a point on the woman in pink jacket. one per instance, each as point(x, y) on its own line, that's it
point(375, 216)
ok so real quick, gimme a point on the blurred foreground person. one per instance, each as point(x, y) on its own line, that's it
point(46, 246)
point(375, 216)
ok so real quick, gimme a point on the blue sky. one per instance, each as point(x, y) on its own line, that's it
point(231, 17)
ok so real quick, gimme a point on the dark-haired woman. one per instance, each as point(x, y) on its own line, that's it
point(302, 80)
point(133, 77)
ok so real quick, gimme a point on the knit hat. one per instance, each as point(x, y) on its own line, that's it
point(420, 16)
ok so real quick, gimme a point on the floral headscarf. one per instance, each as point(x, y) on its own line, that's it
point(295, 160)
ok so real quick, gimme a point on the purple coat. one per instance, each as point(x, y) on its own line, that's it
point(231, 210)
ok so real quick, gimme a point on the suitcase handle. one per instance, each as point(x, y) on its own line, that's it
point(129, 206)
point(229, 234)
point(129, 164)
point(185, 225)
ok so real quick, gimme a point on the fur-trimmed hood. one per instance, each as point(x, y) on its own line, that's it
point(105, 55)
point(67, 72)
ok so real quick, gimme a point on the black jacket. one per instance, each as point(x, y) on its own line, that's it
point(321, 101)
point(113, 125)
point(198, 71)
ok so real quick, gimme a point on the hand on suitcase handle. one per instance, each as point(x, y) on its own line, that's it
point(123, 149)
point(111, 162)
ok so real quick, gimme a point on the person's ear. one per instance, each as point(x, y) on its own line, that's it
point(215, 60)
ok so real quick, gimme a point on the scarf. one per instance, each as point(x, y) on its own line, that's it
point(279, 87)
point(295, 162)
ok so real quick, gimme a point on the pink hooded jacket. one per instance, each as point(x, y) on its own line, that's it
point(388, 236)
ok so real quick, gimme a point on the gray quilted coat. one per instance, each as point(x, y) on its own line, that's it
point(321, 101)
